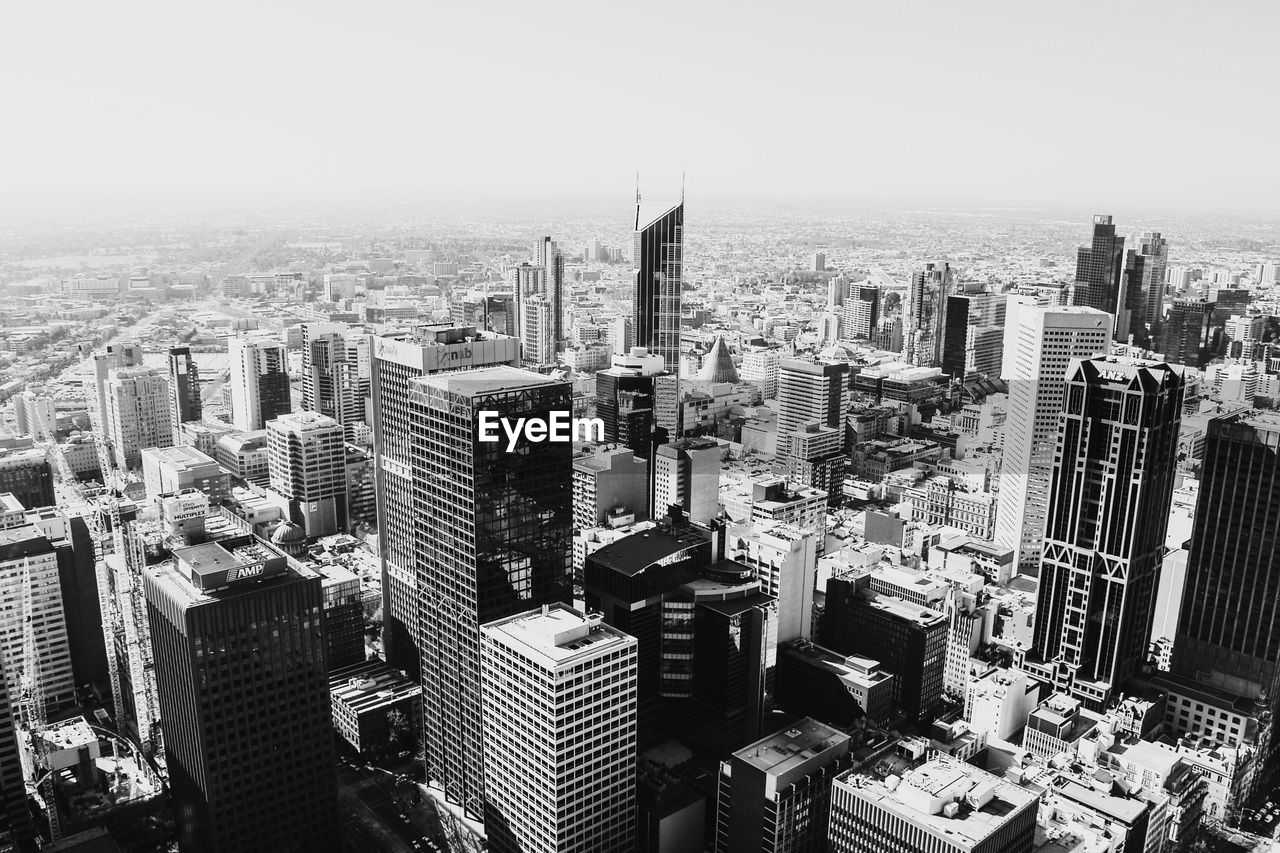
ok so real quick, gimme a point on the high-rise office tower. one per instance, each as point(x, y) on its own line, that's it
point(1154, 250)
point(925, 315)
point(941, 806)
point(184, 387)
point(1112, 485)
point(398, 359)
point(973, 336)
point(335, 373)
point(1187, 336)
point(551, 259)
point(810, 391)
point(538, 308)
point(138, 412)
point(127, 354)
point(240, 672)
point(15, 818)
point(306, 456)
point(1229, 629)
point(29, 561)
point(860, 312)
point(659, 261)
point(703, 625)
point(1099, 273)
point(629, 403)
point(492, 533)
point(1044, 341)
point(686, 473)
point(259, 380)
point(775, 794)
point(559, 733)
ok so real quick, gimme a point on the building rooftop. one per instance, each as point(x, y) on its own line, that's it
point(486, 380)
point(635, 553)
point(945, 797)
point(181, 457)
point(783, 750)
point(365, 687)
point(556, 635)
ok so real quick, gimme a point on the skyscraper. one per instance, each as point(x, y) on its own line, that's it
point(240, 671)
point(29, 561)
point(810, 391)
point(659, 261)
point(1099, 270)
point(335, 373)
point(127, 354)
point(397, 359)
point(184, 388)
point(1187, 336)
point(860, 312)
point(259, 380)
point(1044, 340)
point(629, 402)
point(973, 335)
point(536, 310)
point(1109, 501)
point(1229, 629)
point(925, 315)
point(138, 413)
point(306, 456)
point(492, 533)
point(551, 259)
point(15, 818)
point(1154, 250)
point(559, 733)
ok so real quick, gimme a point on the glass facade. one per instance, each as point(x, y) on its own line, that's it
point(492, 538)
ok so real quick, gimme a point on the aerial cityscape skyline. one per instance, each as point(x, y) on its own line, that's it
point(678, 428)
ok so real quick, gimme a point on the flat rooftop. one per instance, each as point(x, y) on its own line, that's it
point(633, 554)
point(783, 750)
point(183, 456)
point(936, 783)
point(487, 380)
point(557, 635)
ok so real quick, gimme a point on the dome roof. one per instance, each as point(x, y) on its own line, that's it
point(288, 533)
point(838, 352)
point(717, 365)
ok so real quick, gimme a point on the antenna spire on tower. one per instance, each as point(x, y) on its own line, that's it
point(637, 201)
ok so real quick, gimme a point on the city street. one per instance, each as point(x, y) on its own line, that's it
point(379, 814)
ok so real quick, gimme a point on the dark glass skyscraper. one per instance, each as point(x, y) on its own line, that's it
point(492, 536)
point(184, 390)
point(1109, 500)
point(1099, 269)
point(926, 315)
point(659, 259)
point(1187, 336)
point(396, 360)
point(1229, 630)
point(239, 648)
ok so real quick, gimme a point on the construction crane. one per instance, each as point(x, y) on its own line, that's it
point(31, 681)
point(120, 560)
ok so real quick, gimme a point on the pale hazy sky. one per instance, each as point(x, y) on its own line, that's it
point(1169, 105)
